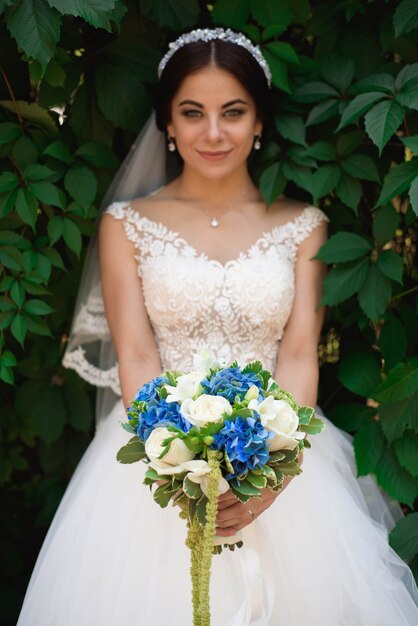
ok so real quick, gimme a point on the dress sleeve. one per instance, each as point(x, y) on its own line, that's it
point(308, 220)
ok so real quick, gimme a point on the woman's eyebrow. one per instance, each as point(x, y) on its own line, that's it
point(224, 106)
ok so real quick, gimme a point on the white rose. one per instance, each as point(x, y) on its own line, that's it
point(205, 361)
point(201, 477)
point(196, 467)
point(177, 454)
point(188, 386)
point(278, 417)
point(205, 409)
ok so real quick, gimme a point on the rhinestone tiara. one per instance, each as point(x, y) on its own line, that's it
point(209, 34)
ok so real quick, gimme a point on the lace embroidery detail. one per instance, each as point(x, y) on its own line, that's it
point(76, 360)
point(237, 309)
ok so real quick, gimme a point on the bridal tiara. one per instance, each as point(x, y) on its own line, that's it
point(209, 34)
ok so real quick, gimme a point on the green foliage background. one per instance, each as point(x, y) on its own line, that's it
point(75, 88)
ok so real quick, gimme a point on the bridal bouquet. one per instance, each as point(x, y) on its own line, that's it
point(209, 430)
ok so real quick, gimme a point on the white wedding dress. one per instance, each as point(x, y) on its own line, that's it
point(317, 557)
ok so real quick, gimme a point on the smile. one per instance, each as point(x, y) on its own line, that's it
point(215, 156)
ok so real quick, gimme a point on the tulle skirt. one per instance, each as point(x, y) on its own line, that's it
point(317, 557)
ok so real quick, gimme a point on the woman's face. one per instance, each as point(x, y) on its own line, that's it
point(214, 122)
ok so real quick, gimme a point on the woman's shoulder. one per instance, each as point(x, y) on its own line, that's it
point(289, 210)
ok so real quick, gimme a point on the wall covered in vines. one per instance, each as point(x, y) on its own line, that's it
point(76, 81)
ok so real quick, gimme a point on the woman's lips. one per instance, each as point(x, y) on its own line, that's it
point(214, 156)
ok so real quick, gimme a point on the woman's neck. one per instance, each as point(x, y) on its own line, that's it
point(235, 187)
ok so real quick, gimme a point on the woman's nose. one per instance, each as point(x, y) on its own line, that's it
point(214, 129)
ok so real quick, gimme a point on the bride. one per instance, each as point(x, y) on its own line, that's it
point(194, 264)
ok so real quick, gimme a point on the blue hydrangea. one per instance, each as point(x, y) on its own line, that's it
point(149, 391)
point(160, 413)
point(245, 441)
point(229, 383)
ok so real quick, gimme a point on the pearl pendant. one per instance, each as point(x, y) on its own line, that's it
point(214, 222)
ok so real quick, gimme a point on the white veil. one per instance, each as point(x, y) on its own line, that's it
point(90, 351)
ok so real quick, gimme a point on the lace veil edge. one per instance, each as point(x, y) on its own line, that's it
point(90, 351)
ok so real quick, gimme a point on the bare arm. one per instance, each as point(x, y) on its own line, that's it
point(125, 309)
point(296, 371)
point(297, 368)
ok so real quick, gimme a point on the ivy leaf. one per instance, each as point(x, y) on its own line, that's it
point(81, 184)
point(271, 12)
point(322, 111)
point(322, 151)
point(395, 417)
point(284, 51)
point(72, 236)
point(359, 373)
point(344, 281)
point(36, 28)
point(385, 222)
point(393, 341)
point(233, 13)
point(94, 12)
point(413, 195)
point(9, 131)
point(349, 191)
point(406, 450)
point(278, 68)
point(48, 193)
point(390, 263)
point(59, 150)
point(272, 183)
point(97, 154)
point(398, 180)
point(37, 172)
point(359, 105)
point(55, 228)
point(402, 381)
point(405, 18)
point(375, 293)
point(315, 91)
point(360, 166)
point(338, 72)
point(27, 207)
point(404, 537)
point(376, 82)
point(8, 182)
point(368, 447)
point(19, 328)
point(175, 14)
point(351, 416)
point(37, 307)
point(406, 77)
point(349, 142)
point(324, 180)
point(292, 127)
point(32, 111)
point(382, 121)
point(395, 480)
point(343, 247)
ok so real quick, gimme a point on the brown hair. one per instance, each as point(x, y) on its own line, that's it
point(223, 54)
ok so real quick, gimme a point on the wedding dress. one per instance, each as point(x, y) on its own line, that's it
point(317, 557)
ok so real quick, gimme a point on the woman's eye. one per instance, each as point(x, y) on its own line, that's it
point(234, 112)
point(192, 113)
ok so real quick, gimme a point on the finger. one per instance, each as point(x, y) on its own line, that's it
point(226, 504)
point(225, 532)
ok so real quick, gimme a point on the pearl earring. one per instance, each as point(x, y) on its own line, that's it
point(257, 142)
point(171, 144)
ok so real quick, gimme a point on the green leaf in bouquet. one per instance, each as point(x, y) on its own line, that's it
point(192, 508)
point(279, 477)
point(290, 455)
point(228, 463)
point(276, 457)
point(246, 488)
point(132, 452)
point(151, 476)
point(201, 510)
point(162, 495)
point(171, 376)
point(258, 480)
point(255, 368)
point(191, 489)
point(128, 427)
point(292, 468)
point(305, 414)
point(314, 427)
point(244, 413)
point(210, 429)
point(240, 496)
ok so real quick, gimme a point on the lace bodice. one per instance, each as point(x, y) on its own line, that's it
point(237, 309)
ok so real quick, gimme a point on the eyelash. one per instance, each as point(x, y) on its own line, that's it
point(192, 113)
